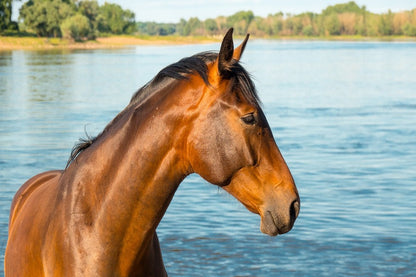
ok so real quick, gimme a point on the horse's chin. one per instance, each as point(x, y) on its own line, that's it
point(271, 226)
point(268, 226)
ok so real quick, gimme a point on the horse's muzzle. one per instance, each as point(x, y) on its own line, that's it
point(278, 222)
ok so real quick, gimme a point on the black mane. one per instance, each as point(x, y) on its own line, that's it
point(196, 64)
point(177, 71)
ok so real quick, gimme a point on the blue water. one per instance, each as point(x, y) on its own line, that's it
point(343, 115)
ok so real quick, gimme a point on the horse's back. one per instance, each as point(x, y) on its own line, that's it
point(28, 224)
point(27, 188)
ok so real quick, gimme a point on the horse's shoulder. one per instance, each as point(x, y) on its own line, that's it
point(28, 188)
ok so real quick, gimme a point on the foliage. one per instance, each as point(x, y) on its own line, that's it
point(211, 26)
point(341, 19)
point(44, 17)
point(155, 29)
point(240, 21)
point(350, 7)
point(6, 22)
point(113, 19)
point(409, 30)
point(386, 24)
point(55, 18)
point(76, 27)
point(308, 31)
point(192, 26)
point(90, 9)
point(332, 24)
point(75, 19)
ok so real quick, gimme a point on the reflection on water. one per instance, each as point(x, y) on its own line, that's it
point(50, 75)
point(344, 117)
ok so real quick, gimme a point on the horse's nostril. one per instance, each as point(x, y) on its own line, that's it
point(294, 209)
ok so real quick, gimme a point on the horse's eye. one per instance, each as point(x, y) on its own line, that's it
point(249, 119)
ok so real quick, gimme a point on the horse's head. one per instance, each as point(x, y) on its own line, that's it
point(231, 144)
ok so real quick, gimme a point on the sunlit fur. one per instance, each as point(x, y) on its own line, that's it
point(182, 70)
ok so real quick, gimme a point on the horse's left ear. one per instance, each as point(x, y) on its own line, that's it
point(228, 55)
point(225, 56)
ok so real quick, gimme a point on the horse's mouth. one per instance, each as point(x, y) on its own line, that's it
point(271, 225)
point(267, 225)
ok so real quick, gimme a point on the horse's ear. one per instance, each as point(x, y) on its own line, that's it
point(225, 56)
point(238, 52)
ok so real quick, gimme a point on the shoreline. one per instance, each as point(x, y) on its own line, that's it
point(10, 43)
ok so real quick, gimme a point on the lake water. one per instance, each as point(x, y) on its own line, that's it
point(343, 115)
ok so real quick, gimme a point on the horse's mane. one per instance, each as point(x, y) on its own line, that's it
point(181, 70)
point(177, 71)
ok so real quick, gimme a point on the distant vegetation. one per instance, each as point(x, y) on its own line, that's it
point(339, 20)
point(86, 19)
point(75, 19)
point(6, 22)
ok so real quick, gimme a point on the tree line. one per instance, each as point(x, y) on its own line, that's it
point(75, 19)
point(341, 19)
point(86, 19)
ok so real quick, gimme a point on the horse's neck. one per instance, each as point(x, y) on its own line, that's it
point(122, 185)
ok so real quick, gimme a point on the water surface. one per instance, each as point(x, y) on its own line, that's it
point(343, 115)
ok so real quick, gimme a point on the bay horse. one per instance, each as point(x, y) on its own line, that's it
point(98, 216)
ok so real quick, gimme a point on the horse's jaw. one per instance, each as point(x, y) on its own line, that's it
point(277, 206)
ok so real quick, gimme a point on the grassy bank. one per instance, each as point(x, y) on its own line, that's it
point(345, 38)
point(36, 43)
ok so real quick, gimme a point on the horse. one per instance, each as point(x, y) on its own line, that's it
point(98, 216)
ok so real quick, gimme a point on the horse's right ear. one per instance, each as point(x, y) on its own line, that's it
point(225, 56)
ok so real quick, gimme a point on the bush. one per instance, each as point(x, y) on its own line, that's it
point(113, 19)
point(308, 31)
point(76, 27)
point(409, 30)
point(332, 24)
point(45, 17)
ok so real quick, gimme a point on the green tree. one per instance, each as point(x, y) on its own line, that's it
point(350, 7)
point(277, 25)
point(76, 27)
point(332, 24)
point(308, 31)
point(6, 22)
point(191, 26)
point(361, 24)
point(409, 30)
point(180, 27)
point(340, 19)
point(44, 17)
point(240, 21)
point(211, 26)
point(156, 29)
point(90, 9)
point(5, 14)
point(113, 19)
point(148, 28)
point(165, 29)
point(385, 26)
point(293, 25)
point(271, 25)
